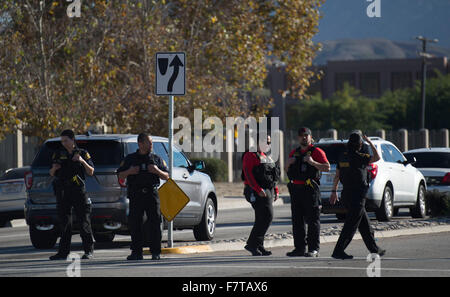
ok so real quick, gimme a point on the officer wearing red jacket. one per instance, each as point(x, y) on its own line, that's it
point(260, 174)
point(303, 169)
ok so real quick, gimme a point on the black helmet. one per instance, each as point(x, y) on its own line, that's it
point(354, 141)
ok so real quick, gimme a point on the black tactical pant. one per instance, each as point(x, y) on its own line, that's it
point(356, 218)
point(263, 207)
point(305, 208)
point(145, 200)
point(74, 198)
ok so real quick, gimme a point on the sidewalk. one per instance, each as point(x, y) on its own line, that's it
point(231, 195)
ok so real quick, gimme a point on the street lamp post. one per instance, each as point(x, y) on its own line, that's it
point(424, 56)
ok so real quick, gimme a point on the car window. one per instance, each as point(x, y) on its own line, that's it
point(334, 151)
point(158, 148)
point(15, 173)
point(396, 155)
point(103, 152)
point(178, 159)
point(430, 159)
point(386, 153)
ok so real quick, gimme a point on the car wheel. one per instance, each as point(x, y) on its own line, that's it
point(5, 223)
point(341, 216)
point(207, 227)
point(42, 239)
point(419, 210)
point(104, 237)
point(386, 210)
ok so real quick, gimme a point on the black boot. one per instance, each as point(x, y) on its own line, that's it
point(264, 252)
point(341, 255)
point(253, 250)
point(135, 257)
point(59, 256)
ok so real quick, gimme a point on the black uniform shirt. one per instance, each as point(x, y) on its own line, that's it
point(144, 178)
point(353, 169)
point(69, 169)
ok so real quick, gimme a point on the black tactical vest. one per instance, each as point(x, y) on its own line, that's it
point(301, 170)
point(143, 178)
point(70, 171)
point(266, 174)
point(352, 171)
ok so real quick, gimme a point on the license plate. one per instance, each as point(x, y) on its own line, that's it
point(329, 178)
point(12, 188)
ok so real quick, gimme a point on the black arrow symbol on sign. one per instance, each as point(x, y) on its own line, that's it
point(176, 63)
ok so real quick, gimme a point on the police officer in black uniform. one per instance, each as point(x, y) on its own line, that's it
point(352, 172)
point(69, 168)
point(303, 170)
point(143, 171)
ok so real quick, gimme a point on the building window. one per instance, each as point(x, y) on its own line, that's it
point(370, 84)
point(345, 77)
point(401, 80)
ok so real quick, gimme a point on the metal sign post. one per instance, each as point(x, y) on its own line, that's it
point(170, 227)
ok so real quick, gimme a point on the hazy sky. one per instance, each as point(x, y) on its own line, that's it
point(401, 20)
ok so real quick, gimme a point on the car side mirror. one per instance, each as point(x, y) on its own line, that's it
point(199, 165)
point(411, 161)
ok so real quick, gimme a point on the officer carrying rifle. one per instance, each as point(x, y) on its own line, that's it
point(70, 165)
point(303, 169)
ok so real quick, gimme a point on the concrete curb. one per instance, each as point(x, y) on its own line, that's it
point(239, 246)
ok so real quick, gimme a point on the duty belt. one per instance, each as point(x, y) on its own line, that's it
point(309, 182)
point(146, 190)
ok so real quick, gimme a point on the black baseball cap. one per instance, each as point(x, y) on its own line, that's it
point(69, 133)
point(355, 138)
point(304, 130)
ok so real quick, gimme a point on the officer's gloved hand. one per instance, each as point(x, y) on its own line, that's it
point(152, 168)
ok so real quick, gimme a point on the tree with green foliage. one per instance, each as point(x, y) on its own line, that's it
point(348, 110)
point(345, 110)
point(58, 72)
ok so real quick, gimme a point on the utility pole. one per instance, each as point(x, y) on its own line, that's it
point(424, 56)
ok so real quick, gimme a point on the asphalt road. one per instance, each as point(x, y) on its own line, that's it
point(420, 255)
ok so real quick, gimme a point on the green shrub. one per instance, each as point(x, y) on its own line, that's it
point(437, 203)
point(215, 168)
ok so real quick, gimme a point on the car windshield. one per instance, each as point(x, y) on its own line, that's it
point(430, 159)
point(335, 150)
point(103, 152)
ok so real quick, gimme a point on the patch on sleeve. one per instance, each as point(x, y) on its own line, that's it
point(344, 164)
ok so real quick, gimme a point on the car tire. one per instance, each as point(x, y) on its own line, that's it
point(5, 224)
point(419, 210)
point(341, 216)
point(42, 239)
point(386, 210)
point(206, 229)
point(104, 237)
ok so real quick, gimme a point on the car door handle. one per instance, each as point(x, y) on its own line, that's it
point(185, 176)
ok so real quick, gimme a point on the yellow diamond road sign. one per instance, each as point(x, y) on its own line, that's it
point(172, 199)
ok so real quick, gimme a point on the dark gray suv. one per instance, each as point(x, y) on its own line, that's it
point(108, 194)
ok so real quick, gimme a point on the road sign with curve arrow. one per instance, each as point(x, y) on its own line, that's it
point(170, 73)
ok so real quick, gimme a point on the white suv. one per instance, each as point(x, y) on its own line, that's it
point(395, 183)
